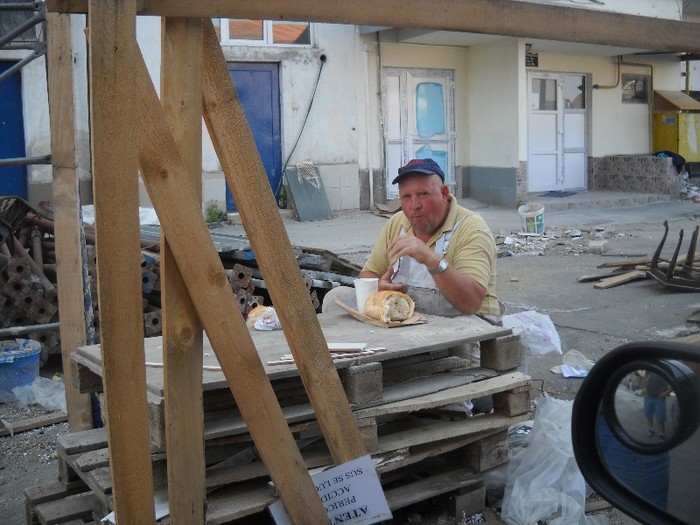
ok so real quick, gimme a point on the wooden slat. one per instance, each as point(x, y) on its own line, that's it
point(509, 18)
point(609, 282)
point(450, 395)
point(182, 331)
point(200, 266)
point(631, 263)
point(112, 43)
point(245, 175)
point(11, 428)
point(66, 203)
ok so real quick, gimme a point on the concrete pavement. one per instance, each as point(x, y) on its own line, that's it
point(352, 233)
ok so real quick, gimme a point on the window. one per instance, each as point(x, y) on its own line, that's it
point(575, 91)
point(544, 94)
point(262, 32)
point(635, 89)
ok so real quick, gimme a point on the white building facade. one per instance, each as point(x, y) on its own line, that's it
point(504, 116)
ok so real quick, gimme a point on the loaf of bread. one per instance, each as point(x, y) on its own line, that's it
point(389, 305)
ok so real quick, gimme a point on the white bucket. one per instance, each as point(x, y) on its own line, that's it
point(531, 218)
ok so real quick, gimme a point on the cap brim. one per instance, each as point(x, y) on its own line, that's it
point(419, 170)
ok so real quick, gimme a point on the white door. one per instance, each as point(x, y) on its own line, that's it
point(557, 132)
point(418, 120)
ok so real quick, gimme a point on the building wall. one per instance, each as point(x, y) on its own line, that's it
point(343, 134)
point(437, 57)
point(494, 95)
point(330, 135)
point(657, 8)
point(614, 127)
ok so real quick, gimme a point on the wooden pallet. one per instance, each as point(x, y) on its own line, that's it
point(430, 361)
point(419, 426)
point(453, 467)
point(408, 402)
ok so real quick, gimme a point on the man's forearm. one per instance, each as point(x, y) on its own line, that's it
point(462, 291)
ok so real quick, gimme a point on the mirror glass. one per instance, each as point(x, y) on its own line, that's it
point(650, 413)
point(647, 408)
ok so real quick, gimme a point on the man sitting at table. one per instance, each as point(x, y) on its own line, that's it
point(441, 254)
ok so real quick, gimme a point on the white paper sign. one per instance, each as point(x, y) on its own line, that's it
point(351, 493)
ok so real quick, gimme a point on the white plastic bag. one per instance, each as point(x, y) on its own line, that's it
point(537, 331)
point(544, 482)
point(43, 391)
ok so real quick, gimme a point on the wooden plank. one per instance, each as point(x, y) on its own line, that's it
point(66, 204)
point(508, 18)
point(430, 487)
point(424, 430)
point(451, 395)
point(201, 268)
point(181, 69)
point(112, 44)
point(609, 282)
point(625, 263)
point(403, 345)
point(76, 442)
point(63, 510)
point(245, 175)
point(599, 276)
point(49, 492)
point(32, 423)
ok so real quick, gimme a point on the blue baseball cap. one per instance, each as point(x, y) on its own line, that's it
point(427, 166)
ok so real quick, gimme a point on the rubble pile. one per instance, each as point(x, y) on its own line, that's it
point(570, 241)
point(690, 190)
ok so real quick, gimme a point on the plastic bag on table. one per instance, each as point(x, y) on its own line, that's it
point(544, 482)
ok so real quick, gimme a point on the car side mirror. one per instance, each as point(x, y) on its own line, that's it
point(635, 430)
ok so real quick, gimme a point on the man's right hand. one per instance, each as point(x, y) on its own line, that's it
point(385, 282)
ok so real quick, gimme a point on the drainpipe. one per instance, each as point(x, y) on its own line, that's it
point(368, 132)
point(651, 101)
point(617, 76)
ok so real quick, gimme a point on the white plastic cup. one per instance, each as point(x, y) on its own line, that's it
point(364, 287)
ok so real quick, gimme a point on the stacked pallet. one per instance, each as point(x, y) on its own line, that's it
point(408, 398)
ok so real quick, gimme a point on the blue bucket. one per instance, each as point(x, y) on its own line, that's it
point(19, 362)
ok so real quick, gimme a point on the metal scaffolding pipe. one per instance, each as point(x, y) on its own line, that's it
point(25, 161)
point(14, 331)
point(21, 6)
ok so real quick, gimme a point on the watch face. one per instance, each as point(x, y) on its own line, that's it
point(441, 267)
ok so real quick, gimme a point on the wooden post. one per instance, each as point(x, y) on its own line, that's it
point(181, 96)
point(245, 175)
point(112, 38)
point(66, 200)
point(182, 222)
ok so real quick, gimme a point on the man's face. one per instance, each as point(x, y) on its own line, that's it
point(424, 200)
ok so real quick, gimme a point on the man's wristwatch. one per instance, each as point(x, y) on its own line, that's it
point(441, 267)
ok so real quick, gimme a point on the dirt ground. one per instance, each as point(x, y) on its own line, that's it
point(533, 275)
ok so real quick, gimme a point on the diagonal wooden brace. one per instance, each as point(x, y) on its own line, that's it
point(246, 178)
point(203, 273)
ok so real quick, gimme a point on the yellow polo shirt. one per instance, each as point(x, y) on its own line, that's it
point(472, 249)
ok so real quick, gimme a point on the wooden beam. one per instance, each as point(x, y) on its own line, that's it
point(66, 204)
point(246, 178)
point(492, 17)
point(181, 219)
point(112, 44)
point(181, 71)
point(617, 280)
